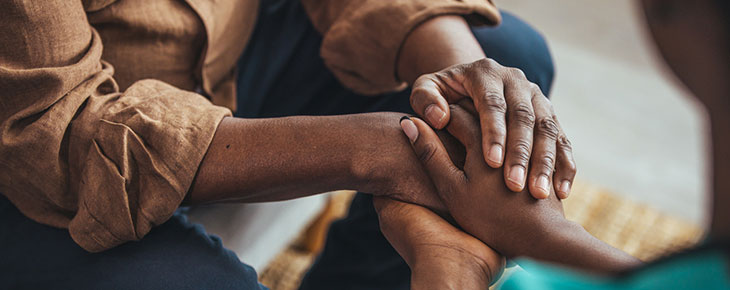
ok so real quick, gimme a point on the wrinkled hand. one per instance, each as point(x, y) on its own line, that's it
point(514, 114)
point(476, 196)
point(440, 255)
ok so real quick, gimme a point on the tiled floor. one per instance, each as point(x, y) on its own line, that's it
point(634, 130)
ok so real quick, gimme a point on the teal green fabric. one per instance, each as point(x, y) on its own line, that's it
point(702, 270)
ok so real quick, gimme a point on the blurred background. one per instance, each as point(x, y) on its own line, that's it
point(634, 129)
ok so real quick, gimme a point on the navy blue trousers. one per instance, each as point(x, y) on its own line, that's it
point(280, 74)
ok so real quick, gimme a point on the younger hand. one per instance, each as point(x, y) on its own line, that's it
point(440, 255)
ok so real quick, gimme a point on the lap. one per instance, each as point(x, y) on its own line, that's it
point(174, 255)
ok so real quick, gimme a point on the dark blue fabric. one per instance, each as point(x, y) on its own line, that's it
point(174, 255)
point(280, 74)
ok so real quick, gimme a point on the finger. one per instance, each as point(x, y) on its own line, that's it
point(520, 124)
point(457, 151)
point(429, 99)
point(543, 151)
point(489, 100)
point(465, 128)
point(432, 154)
point(468, 105)
point(565, 168)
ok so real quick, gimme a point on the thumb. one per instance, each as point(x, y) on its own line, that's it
point(428, 102)
point(432, 154)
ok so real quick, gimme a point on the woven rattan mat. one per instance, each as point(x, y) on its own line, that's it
point(635, 228)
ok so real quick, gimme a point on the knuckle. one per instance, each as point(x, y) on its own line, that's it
point(548, 128)
point(516, 73)
point(547, 161)
point(521, 151)
point(427, 152)
point(535, 89)
point(523, 115)
point(494, 102)
point(537, 92)
point(486, 66)
point(565, 144)
point(487, 62)
point(449, 73)
point(419, 95)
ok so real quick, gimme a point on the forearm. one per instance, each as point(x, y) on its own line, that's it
point(255, 160)
point(436, 44)
point(551, 238)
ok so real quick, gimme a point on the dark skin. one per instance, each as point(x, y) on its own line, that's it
point(440, 255)
point(299, 156)
point(364, 152)
point(513, 224)
point(520, 128)
point(700, 59)
point(307, 155)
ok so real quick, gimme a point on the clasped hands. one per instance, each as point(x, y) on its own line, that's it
point(485, 108)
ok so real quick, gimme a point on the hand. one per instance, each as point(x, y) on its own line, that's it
point(440, 256)
point(512, 224)
point(514, 115)
point(386, 165)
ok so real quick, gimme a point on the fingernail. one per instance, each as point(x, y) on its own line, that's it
point(435, 115)
point(517, 175)
point(409, 128)
point(542, 184)
point(495, 155)
point(565, 188)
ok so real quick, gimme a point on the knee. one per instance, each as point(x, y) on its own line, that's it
point(515, 43)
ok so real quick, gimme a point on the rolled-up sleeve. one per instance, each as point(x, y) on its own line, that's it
point(362, 38)
point(77, 153)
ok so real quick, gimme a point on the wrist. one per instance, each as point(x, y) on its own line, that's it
point(436, 44)
point(383, 162)
point(536, 239)
point(576, 247)
point(378, 146)
point(457, 271)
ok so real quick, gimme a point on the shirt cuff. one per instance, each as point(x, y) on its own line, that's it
point(361, 49)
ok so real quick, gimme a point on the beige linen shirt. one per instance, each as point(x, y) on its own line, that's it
point(100, 132)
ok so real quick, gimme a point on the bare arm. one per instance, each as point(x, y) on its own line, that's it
point(255, 160)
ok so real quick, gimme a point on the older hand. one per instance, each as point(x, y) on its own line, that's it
point(514, 115)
